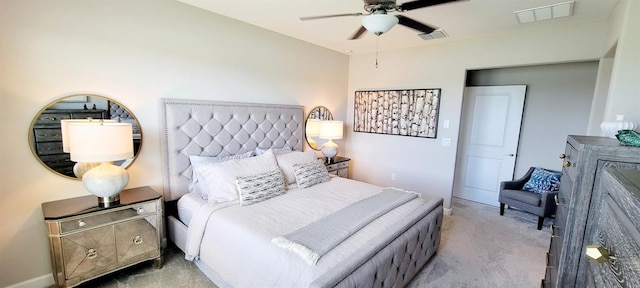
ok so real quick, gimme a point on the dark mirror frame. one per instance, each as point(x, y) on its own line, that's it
point(45, 137)
point(318, 112)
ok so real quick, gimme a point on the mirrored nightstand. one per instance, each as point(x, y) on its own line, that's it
point(338, 166)
point(88, 241)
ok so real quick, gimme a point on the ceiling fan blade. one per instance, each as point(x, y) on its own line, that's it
point(330, 16)
point(358, 33)
point(406, 21)
point(411, 5)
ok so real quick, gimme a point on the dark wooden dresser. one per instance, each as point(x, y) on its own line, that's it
point(613, 237)
point(584, 161)
point(47, 136)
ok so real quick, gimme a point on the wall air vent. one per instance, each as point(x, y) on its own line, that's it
point(437, 34)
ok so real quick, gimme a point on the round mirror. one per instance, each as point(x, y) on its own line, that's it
point(311, 124)
point(45, 135)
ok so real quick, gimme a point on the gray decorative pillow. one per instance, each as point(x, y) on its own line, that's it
point(310, 173)
point(260, 187)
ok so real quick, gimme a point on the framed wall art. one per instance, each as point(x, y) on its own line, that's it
point(411, 112)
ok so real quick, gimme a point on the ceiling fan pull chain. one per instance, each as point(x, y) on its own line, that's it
point(377, 49)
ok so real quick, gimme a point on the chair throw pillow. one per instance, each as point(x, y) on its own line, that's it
point(260, 187)
point(542, 181)
point(310, 173)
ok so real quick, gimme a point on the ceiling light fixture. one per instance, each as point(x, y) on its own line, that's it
point(379, 23)
point(547, 12)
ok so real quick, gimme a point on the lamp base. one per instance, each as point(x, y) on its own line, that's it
point(109, 201)
point(329, 149)
point(106, 181)
point(82, 167)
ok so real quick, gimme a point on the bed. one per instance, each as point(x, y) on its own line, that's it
point(235, 244)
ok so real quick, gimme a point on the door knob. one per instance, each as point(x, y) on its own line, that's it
point(566, 164)
point(562, 156)
point(598, 254)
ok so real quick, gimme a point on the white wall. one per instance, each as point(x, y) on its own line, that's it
point(136, 52)
point(423, 164)
point(624, 92)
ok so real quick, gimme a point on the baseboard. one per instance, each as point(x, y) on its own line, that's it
point(447, 211)
point(42, 281)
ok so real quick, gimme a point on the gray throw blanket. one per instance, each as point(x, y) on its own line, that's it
point(316, 239)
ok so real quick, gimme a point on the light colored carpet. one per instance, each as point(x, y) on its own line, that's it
point(478, 248)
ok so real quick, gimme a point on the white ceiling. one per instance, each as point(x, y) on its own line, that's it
point(460, 20)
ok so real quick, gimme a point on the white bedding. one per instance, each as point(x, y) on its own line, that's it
point(236, 242)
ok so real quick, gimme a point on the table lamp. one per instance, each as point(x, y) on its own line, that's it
point(330, 130)
point(102, 142)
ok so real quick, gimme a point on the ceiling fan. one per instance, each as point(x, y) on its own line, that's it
point(378, 21)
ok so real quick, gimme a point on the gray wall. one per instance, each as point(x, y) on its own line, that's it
point(557, 104)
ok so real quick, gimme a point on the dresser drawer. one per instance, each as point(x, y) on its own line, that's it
point(49, 148)
point(84, 115)
point(137, 239)
point(47, 134)
point(87, 252)
point(51, 118)
point(616, 233)
point(95, 220)
point(570, 162)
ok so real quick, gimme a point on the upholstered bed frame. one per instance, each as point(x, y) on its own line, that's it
point(197, 127)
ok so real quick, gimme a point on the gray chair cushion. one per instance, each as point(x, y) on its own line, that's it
point(523, 196)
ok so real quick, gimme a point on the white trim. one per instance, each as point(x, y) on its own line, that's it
point(447, 211)
point(42, 281)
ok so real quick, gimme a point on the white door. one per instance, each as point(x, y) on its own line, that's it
point(489, 133)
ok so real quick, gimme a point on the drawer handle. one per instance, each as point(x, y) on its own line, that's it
point(92, 254)
point(137, 240)
point(566, 164)
point(81, 223)
point(140, 210)
point(598, 254)
point(562, 156)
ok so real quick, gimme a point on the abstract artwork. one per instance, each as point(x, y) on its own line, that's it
point(397, 112)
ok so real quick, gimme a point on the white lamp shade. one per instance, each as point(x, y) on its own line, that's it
point(313, 127)
point(379, 23)
point(64, 127)
point(330, 130)
point(90, 142)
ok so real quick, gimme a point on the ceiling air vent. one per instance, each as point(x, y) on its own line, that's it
point(437, 34)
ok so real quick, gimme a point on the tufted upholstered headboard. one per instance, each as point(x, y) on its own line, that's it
point(212, 128)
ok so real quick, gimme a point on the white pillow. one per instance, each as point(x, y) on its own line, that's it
point(220, 177)
point(287, 160)
point(260, 187)
point(199, 187)
point(260, 151)
point(310, 173)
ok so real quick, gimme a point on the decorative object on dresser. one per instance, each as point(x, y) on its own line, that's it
point(584, 161)
point(45, 135)
point(101, 142)
point(613, 236)
point(330, 130)
point(537, 197)
point(87, 241)
point(337, 166)
point(611, 128)
point(312, 124)
point(397, 112)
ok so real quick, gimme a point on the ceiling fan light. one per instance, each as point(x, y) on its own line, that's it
point(379, 23)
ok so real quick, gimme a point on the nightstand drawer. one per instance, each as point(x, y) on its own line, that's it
point(137, 239)
point(338, 165)
point(96, 220)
